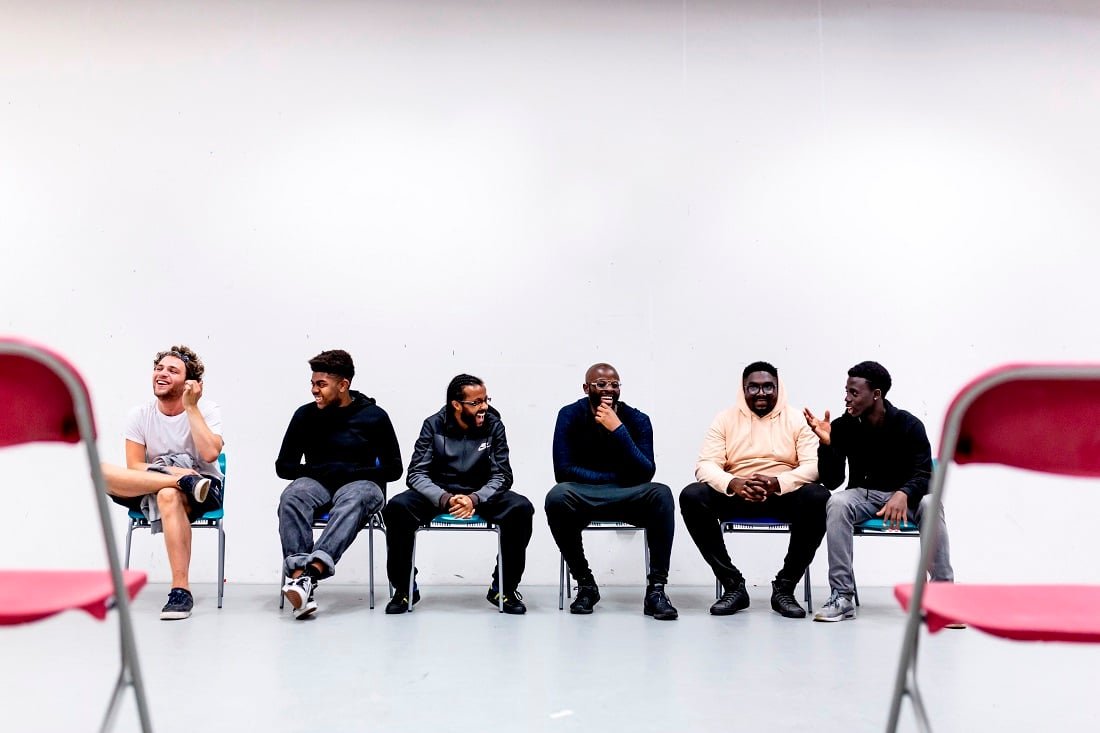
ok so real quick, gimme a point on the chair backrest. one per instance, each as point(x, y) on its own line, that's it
point(41, 396)
point(1041, 417)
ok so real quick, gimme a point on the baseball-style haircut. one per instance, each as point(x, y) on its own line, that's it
point(876, 375)
point(456, 390)
point(191, 361)
point(336, 361)
point(759, 366)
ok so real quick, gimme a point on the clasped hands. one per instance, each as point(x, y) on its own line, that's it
point(756, 488)
point(461, 506)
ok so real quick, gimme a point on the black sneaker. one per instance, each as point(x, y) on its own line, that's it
point(195, 486)
point(587, 597)
point(400, 602)
point(513, 602)
point(783, 601)
point(657, 605)
point(731, 601)
point(179, 605)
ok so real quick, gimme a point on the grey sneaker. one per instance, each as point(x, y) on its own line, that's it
point(837, 608)
point(299, 591)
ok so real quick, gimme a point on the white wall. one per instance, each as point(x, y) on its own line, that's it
point(520, 189)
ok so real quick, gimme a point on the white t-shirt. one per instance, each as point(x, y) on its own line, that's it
point(163, 435)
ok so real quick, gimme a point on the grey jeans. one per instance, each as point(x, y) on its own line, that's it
point(349, 508)
point(851, 506)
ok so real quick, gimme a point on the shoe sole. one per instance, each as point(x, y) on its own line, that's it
point(728, 611)
point(174, 615)
point(201, 490)
point(662, 616)
point(580, 611)
point(306, 612)
point(293, 595)
point(842, 617)
point(801, 613)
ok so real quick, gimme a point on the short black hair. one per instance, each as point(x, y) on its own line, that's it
point(335, 361)
point(456, 390)
point(876, 375)
point(759, 366)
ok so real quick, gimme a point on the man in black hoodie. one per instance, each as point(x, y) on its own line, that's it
point(350, 453)
point(460, 466)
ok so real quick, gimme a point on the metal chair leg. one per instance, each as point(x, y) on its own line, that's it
point(129, 536)
point(221, 563)
point(370, 555)
point(412, 574)
point(499, 570)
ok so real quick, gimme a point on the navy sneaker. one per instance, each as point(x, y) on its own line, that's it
point(195, 486)
point(179, 605)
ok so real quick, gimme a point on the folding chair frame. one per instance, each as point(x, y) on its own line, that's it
point(130, 671)
point(906, 683)
point(374, 522)
point(447, 523)
point(565, 585)
point(763, 526)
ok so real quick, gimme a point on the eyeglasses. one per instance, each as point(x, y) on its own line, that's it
point(768, 388)
point(604, 384)
point(475, 403)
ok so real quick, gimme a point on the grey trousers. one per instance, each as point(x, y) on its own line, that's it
point(349, 508)
point(851, 506)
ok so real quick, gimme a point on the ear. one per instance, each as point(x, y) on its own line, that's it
point(585, 387)
point(877, 393)
point(456, 406)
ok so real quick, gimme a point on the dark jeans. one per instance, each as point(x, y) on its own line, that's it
point(704, 510)
point(409, 510)
point(571, 506)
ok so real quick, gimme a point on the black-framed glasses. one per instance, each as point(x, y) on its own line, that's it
point(768, 388)
point(605, 383)
point(475, 403)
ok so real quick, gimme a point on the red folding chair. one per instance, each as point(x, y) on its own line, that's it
point(43, 399)
point(1039, 417)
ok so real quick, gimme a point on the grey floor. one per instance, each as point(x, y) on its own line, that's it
point(457, 665)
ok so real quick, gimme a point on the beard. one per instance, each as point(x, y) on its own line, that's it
point(595, 400)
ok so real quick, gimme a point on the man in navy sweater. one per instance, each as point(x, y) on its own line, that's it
point(350, 453)
point(603, 462)
point(460, 467)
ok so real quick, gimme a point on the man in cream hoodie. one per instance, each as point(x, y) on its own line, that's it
point(759, 459)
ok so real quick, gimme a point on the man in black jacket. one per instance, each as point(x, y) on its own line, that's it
point(460, 466)
point(890, 462)
point(350, 453)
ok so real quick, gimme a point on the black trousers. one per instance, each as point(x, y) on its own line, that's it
point(409, 510)
point(571, 506)
point(704, 510)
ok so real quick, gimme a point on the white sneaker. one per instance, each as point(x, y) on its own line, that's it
point(299, 591)
point(837, 608)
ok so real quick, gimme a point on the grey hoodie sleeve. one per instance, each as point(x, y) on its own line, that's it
point(418, 476)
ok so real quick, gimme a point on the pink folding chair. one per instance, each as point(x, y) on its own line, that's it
point(43, 399)
point(1039, 417)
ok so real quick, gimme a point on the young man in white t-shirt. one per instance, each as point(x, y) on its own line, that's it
point(172, 449)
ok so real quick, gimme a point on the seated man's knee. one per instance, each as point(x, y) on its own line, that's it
point(814, 494)
point(171, 500)
point(839, 505)
point(363, 492)
point(694, 496)
point(556, 499)
point(661, 496)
